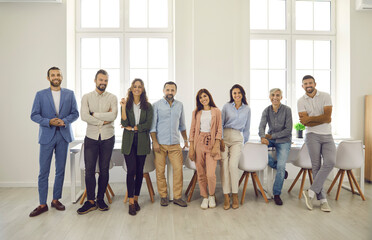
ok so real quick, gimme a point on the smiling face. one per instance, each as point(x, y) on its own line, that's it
point(101, 82)
point(275, 98)
point(309, 85)
point(169, 91)
point(237, 95)
point(137, 88)
point(204, 100)
point(55, 78)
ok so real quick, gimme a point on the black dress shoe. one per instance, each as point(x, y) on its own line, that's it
point(132, 210)
point(277, 200)
point(39, 210)
point(58, 205)
point(137, 206)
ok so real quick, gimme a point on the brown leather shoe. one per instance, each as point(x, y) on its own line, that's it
point(39, 210)
point(235, 203)
point(226, 204)
point(58, 205)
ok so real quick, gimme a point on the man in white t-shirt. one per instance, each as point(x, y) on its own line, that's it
point(315, 110)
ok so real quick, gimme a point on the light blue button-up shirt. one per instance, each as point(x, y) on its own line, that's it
point(168, 121)
point(239, 119)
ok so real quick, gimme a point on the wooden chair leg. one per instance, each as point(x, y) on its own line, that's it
point(310, 173)
point(126, 197)
point(241, 178)
point(83, 197)
point(192, 188)
point(108, 196)
point(334, 181)
point(254, 185)
point(340, 184)
point(190, 184)
point(357, 186)
point(350, 181)
point(302, 184)
point(110, 189)
point(245, 186)
point(149, 187)
point(294, 182)
point(260, 186)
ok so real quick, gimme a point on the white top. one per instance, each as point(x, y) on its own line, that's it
point(315, 107)
point(205, 121)
point(99, 105)
point(56, 99)
point(137, 112)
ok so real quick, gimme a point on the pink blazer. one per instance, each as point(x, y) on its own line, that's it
point(216, 128)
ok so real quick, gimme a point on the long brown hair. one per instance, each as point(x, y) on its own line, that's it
point(144, 103)
point(244, 99)
point(200, 106)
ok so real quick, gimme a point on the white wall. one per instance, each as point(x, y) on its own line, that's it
point(212, 49)
point(360, 67)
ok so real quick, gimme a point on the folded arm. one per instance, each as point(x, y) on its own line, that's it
point(306, 120)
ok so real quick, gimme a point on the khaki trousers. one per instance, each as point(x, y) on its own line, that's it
point(174, 153)
point(230, 160)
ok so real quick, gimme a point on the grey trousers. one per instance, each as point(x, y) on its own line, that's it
point(321, 146)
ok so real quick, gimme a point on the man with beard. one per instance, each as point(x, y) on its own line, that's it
point(54, 109)
point(99, 109)
point(168, 120)
point(315, 110)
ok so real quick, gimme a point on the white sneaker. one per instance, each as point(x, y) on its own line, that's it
point(204, 204)
point(308, 199)
point(325, 207)
point(212, 201)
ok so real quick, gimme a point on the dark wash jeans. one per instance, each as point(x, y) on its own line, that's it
point(100, 150)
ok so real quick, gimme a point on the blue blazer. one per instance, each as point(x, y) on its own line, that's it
point(43, 110)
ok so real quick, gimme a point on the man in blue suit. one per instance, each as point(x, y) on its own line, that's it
point(54, 109)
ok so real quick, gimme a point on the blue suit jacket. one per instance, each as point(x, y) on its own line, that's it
point(43, 110)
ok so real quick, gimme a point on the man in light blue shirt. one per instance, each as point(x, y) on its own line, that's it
point(168, 121)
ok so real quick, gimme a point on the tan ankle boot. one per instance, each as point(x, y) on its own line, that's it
point(235, 201)
point(226, 204)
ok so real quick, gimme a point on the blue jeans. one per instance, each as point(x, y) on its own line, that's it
point(282, 152)
point(59, 146)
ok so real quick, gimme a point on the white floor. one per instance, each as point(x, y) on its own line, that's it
point(351, 218)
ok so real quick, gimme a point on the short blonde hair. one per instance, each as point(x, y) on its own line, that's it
point(275, 90)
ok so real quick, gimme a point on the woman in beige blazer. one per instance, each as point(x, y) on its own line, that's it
point(205, 136)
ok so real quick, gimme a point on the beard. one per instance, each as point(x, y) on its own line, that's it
point(310, 90)
point(101, 87)
point(169, 97)
point(56, 83)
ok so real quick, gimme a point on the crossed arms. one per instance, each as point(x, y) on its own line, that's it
point(316, 120)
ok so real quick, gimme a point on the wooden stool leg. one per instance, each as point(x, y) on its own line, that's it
point(83, 197)
point(190, 184)
point(108, 196)
point(260, 186)
point(310, 173)
point(340, 184)
point(148, 182)
point(192, 188)
point(241, 178)
point(246, 174)
point(254, 185)
point(350, 181)
point(126, 197)
point(302, 184)
point(110, 189)
point(357, 186)
point(294, 182)
point(334, 181)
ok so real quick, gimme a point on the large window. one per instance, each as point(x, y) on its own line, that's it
point(129, 39)
point(290, 39)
